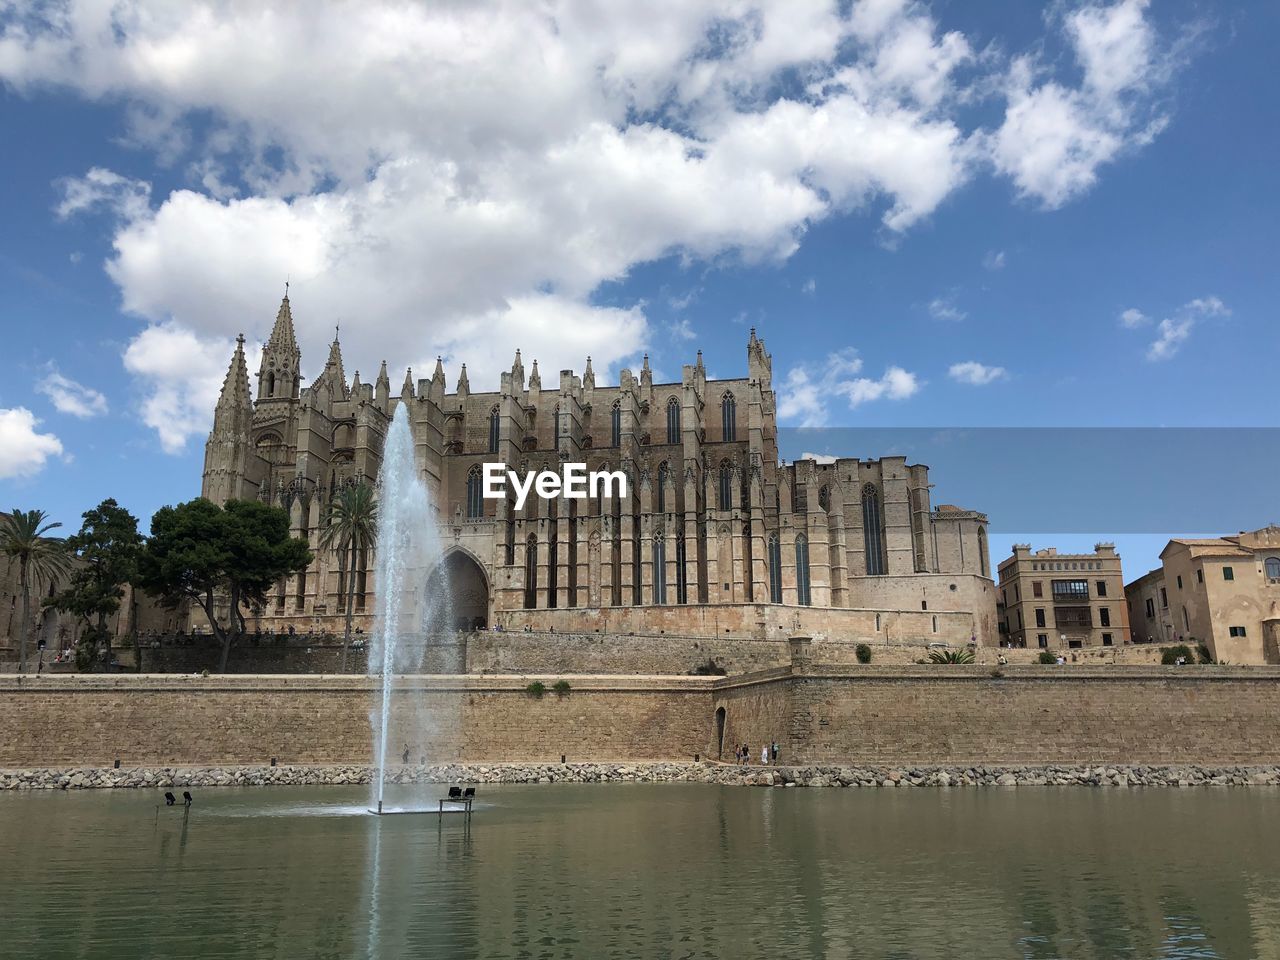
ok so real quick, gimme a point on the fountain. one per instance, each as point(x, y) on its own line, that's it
point(412, 597)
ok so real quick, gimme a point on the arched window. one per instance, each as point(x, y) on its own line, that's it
point(531, 572)
point(802, 570)
point(775, 569)
point(724, 499)
point(663, 472)
point(494, 429)
point(729, 417)
point(271, 384)
point(475, 500)
point(659, 570)
point(985, 563)
point(682, 580)
point(615, 424)
point(555, 414)
point(824, 499)
point(673, 420)
point(873, 531)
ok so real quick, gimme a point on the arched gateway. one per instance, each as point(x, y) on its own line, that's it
point(468, 589)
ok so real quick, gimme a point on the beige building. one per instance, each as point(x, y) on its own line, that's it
point(715, 537)
point(1057, 600)
point(1223, 592)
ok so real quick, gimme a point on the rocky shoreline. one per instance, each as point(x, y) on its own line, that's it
point(1092, 775)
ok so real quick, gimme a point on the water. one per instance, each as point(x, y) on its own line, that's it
point(666, 870)
point(409, 597)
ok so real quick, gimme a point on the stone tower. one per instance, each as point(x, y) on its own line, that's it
point(226, 452)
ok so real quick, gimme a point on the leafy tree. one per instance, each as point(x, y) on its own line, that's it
point(951, 656)
point(40, 558)
point(220, 558)
point(107, 547)
point(352, 531)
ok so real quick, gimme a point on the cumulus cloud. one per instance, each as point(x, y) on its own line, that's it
point(942, 308)
point(23, 450)
point(818, 457)
point(71, 397)
point(976, 374)
point(804, 392)
point(1054, 137)
point(1133, 318)
point(475, 163)
point(1173, 331)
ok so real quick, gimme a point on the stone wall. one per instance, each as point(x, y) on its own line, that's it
point(249, 719)
point(937, 714)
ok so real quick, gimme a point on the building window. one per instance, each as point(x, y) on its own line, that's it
point(1037, 588)
point(531, 572)
point(615, 424)
point(555, 415)
point(877, 623)
point(1186, 621)
point(682, 583)
point(1070, 589)
point(1164, 599)
point(824, 499)
point(1199, 576)
point(1102, 588)
point(1039, 616)
point(1106, 639)
point(673, 420)
point(872, 531)
point(1042, 640)
point(494, 429)
point(659, 570)
point(1179, 581)
point(802, 570)
point(775, 570)
point(984, 563)
point(729, 418)
point(475, 500)
point(663, 472)
point(1228, 573)
point(1236, 631)
point(1273, 568)
point(935, 623)
point(1104, 617)
point(1151, 608)
point(724, 498)
point(1072, 617)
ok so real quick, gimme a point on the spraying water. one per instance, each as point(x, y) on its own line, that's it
point(408, 550)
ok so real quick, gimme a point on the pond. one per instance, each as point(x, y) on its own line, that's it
point(645, 870)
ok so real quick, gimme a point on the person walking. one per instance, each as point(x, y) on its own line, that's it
point(405, 756)
point(773, 748)
point(764, 755)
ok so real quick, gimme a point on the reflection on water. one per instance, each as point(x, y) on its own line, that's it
point(676, 870)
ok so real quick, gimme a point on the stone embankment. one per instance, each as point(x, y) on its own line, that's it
point(649, 772)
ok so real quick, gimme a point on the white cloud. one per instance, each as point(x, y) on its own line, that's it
point(1133, 318)
point(1173, 332)
point(810, 287)
point(942, 308)
point(471, 161)
point(804, 392)
point(818, 457)
point(994, 260)
point(681, 329)
point(1054, 138)
point(976, 374)
point(23, 450)
point(71, 397)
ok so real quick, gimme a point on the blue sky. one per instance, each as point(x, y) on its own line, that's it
point(938, 215)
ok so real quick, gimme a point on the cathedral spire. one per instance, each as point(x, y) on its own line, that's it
point(517, 373)
point(646, 374)
point(464, 385)
point(535, 378)
point(438, 374)
point(382, 387)
point(235, 407)
point(588, 377)
point(406, 391)
point(278, 373)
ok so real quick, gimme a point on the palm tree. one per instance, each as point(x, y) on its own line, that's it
point(352, 531)
point(951, 656)
point(41, 559)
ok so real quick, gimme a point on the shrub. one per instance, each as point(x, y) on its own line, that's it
point(863, 653)
point(1203, 653)
point(1047, 656)
point(951, 656)
point(536, 689)
point(708, 669)
point(1169, 655)
point(561, 687)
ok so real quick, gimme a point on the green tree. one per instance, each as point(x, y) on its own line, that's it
point(107, 547)
point(352, 530)
point(40, 558)
point(219, 558)
point(951, 656)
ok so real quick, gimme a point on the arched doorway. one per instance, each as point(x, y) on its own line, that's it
point(468, 591)
point(720, 719)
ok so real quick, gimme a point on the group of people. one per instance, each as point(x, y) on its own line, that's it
point(768, 754)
